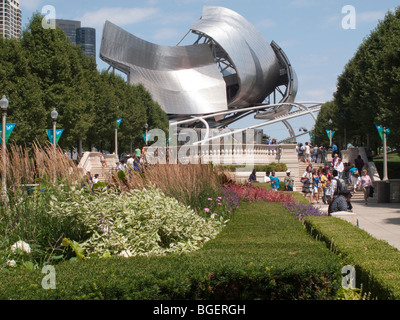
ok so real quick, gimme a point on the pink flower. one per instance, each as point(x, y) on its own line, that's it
point(206, 209)
point(210, 199)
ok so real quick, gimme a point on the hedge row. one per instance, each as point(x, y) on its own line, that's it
point(393, 169)
point(278, 167)
point(263, 253)
point(376, 262)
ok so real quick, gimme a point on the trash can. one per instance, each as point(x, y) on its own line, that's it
point(383, 191)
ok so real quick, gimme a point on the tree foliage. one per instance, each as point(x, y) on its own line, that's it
point(368, 90)
point(43, 70)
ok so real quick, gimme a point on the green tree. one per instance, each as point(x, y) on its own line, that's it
point(368, 89)
point(22, 89)
point(43, 70)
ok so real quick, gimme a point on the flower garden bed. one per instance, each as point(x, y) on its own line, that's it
point(264, 252)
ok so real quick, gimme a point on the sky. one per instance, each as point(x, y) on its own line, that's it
point(318, 36)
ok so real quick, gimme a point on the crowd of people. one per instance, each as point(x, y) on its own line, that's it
point(132, 162)
point(334, 184)
point(307, 153)
point(329, 183)
point(127, 163)
point(270, 177)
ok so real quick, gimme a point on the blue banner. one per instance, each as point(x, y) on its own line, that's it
point(9, 129)
point(148, 137)
point(119, 122)
point(330, 133)
point(59, 132)
point(380, 130)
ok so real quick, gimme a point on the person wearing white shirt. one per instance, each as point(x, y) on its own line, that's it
point(122, 165)
point(267, 178)
point(340, 168)
point(96, 178)
point(129, 162)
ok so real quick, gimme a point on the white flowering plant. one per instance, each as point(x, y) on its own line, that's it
point(18, 255)
point(135, 222)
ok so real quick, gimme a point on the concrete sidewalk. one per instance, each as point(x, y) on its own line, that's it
point(380, 220)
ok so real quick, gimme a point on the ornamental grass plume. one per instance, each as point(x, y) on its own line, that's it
point(186, 183)
point(38, 163)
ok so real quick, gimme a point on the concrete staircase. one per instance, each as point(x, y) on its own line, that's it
point(90, 162)
point(358, 195)
point(303, 165)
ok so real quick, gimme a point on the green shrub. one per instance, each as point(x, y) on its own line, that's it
point(377, 263)
point(27, 218)
point(278, 167)
point(139, 222)
point(121, 174)
point(393, 169)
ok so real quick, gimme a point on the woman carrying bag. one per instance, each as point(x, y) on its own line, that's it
point(306, 180)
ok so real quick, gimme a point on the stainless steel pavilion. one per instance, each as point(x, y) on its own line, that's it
point(228, 73)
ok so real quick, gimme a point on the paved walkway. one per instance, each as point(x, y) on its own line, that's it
point(381, 220)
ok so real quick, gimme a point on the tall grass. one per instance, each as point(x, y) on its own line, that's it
point(30, 181)
point(31, 173)
point(39, 165)
point(191, 184)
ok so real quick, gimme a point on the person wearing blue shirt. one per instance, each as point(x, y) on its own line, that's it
point(334, 150)
point(274, 181)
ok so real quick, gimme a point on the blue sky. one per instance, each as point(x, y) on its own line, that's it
point(309, 31)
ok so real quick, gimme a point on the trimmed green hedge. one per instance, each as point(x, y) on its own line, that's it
point(393, 169)
point(278, 167)
point(377, 263)
point(263, 253)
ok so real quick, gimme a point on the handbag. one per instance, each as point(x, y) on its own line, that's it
point(304, 180)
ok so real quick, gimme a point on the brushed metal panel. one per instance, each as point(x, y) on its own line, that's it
point(182, 79)
point(255, 61)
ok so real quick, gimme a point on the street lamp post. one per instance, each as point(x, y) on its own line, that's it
point(330, 132)
point(385, 168)
point(116, 142)
point(54, 116)
point(4, 106)
point(146, 126)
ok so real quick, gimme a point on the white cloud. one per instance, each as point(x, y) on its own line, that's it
point(370, 16)
point(361, 17)
point(31, 5)
point(120, 16)
point(176, 18)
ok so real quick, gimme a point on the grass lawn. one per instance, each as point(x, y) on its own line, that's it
point(393, 165)
point(392, 157)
